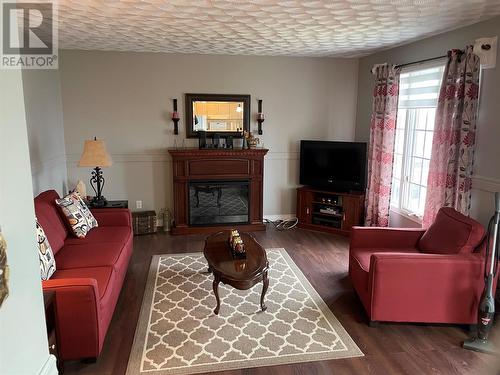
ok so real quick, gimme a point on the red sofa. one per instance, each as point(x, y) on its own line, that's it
point(414, 275)
point(89, 274)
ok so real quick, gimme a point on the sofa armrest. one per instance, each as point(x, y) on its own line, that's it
point(371, 237)
point(78, 316)
point(425, 287)
point(112, 217)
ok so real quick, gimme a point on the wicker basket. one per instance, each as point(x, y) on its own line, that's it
point(144, 222)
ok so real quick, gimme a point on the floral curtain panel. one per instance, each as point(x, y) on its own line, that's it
point(381, 148)
point(450, 170)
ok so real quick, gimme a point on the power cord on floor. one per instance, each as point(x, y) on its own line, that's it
point(283, 224)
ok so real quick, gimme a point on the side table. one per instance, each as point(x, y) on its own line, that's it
point(111, 204)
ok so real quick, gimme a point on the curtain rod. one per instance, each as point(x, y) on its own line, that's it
point(420, 61)
point(485, 47)
point(410, 63)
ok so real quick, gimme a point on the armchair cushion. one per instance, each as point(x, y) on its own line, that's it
point(362, 257)
point(451, 233)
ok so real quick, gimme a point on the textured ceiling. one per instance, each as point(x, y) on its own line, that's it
point(261, 27)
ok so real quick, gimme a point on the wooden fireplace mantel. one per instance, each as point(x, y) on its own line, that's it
point(192, 164)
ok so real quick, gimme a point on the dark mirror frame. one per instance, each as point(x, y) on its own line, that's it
point(190, 98)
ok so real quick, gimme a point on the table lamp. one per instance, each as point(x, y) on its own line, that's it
point(95, 155)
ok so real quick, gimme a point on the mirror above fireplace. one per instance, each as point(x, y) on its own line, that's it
point(221, 114)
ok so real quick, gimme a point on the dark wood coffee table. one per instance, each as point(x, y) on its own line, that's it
point(241, 274)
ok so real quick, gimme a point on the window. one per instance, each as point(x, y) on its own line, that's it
point(418, 96)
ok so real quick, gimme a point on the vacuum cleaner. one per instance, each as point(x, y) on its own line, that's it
point(486, 311)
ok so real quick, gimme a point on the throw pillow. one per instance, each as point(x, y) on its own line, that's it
point(451, 233)
point(45, 254)
point(78, 215)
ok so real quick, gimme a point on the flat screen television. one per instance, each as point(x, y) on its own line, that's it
point(333, 166)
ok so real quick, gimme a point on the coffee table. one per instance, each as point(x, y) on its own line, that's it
point(241, 274)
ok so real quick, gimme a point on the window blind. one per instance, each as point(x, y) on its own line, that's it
point(420, 88)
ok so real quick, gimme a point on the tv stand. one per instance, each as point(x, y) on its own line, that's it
point(329, 211)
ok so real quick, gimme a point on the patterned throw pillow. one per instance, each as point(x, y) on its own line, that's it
point(78, 214)
point(45, 254)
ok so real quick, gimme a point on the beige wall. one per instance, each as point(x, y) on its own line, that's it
point(486, 170)
point(42, 95)
point(125, 98)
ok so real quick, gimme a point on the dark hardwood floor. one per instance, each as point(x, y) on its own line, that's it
point(323, 258)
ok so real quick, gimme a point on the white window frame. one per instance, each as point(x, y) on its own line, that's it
point(407, 155)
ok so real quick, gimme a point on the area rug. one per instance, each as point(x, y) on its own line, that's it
point(178, 333)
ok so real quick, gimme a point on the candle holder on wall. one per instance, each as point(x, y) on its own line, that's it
point(260, 117)
point(175, 118)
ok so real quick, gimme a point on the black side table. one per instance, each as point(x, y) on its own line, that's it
point(111, 204)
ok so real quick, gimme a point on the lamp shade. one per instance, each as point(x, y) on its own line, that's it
point(95, 154)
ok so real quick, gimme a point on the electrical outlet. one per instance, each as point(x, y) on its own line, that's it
point(138, 204)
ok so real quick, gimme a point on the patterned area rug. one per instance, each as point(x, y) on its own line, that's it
point(178, 333)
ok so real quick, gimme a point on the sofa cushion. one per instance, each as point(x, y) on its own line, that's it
point(451, 233)
point(78, 216)
point(102, 275)
point(108, 301)
point(89, 255)
point(45, 254)
point(102, 235)
point(50, 219)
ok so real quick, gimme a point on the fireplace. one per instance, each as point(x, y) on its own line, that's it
point(216, 189)
point(218, 202)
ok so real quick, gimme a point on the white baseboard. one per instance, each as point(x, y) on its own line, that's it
point(279, 217)
point(49, 367)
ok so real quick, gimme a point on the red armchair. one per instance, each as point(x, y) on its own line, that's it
point(414, 275)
